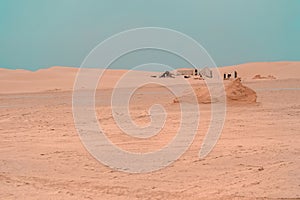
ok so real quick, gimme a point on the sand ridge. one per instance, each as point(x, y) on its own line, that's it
point(63, 78)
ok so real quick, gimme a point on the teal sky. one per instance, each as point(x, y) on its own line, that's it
point(42, 33)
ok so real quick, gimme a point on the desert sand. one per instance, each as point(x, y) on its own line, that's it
point(256, 157)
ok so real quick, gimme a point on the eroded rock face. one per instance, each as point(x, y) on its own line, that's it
point(236, 92)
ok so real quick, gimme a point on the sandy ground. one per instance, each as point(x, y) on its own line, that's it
point(42, 157)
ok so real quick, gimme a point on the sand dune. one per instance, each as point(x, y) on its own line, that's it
point(62, 78)
point(281, 70)
point(22, 81)
point(256, 157)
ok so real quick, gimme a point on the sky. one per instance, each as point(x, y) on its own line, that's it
point(38, 34)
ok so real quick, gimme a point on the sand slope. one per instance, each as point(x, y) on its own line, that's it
point(256, 157)
point(281, 70)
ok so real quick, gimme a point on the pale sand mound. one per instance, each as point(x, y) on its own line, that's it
point(258, 76)
point(236, 92)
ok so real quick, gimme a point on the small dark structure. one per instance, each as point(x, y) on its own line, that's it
point(167, 74)
point(229, 75)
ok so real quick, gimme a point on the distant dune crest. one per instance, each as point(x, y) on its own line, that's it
point(62, 78)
